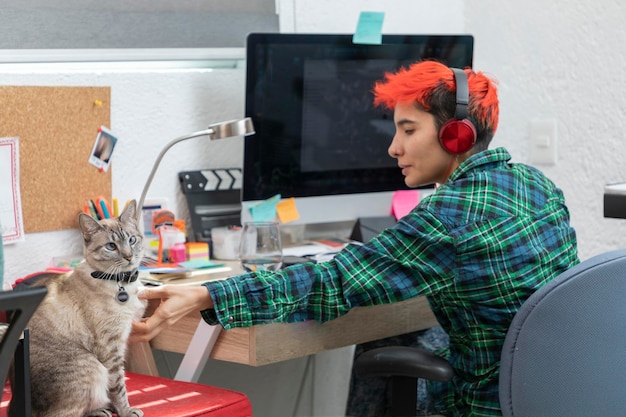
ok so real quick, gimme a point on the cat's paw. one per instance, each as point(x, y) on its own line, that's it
point(133, 412)
point(102, 412)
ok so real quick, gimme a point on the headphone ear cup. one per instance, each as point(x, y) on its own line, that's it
point(457, 136)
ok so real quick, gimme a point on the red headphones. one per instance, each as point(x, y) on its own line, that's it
point(458, 135)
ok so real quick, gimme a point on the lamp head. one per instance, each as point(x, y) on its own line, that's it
point(242, 127)
point(221, 130)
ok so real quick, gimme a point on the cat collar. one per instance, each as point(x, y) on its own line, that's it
point(122, 277)
point(126, 277)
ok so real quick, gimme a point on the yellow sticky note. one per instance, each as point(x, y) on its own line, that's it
point(287, 210)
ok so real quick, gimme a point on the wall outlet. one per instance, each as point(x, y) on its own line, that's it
point(543, 141)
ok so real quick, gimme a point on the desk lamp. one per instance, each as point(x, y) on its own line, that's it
point(221, 130)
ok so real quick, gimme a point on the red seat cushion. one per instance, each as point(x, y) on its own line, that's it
point(162, 397)
point(4, 400)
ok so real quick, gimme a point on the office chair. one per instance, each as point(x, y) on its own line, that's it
point(563, 354)
point(404, 365)
point(16, 309)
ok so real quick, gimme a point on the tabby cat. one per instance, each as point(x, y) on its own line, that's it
point(79, 333)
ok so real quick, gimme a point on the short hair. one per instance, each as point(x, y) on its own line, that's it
point(430, 85)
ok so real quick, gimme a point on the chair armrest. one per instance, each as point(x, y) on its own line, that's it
point(403, 361)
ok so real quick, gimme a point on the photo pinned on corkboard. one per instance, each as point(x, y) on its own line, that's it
point(103, 148)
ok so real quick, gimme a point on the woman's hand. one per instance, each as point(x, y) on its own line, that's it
point(176, 302)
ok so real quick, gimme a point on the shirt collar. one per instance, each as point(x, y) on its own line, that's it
point(490, 156)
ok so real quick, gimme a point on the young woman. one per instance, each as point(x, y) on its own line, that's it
point(488, 237)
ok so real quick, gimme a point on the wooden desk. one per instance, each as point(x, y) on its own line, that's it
point(275, 342)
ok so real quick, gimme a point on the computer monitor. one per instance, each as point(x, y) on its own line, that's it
point(318, 136)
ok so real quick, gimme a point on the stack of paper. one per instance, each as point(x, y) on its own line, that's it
point(193, 271)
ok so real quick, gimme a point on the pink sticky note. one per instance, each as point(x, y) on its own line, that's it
point(403, 201)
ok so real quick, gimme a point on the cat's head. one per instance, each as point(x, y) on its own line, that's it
point(113, 245)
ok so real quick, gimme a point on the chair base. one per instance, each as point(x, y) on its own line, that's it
point(162, 397)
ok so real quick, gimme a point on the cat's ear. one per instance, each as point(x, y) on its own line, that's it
point(129, 212)
point(88, 226)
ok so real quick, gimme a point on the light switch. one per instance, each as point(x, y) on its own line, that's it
point(543, 141)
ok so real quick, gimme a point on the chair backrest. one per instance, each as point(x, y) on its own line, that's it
point(18, 307)
point(565, 351)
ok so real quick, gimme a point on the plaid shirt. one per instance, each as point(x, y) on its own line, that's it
point(479, 246)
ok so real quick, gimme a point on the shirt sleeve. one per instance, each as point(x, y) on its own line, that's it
point(415, 257)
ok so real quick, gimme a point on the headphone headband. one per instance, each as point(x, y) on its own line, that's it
point(462, 93)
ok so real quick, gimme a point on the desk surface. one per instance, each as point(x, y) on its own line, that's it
point(275, 342)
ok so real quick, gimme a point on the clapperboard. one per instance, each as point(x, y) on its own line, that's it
point(214, 199)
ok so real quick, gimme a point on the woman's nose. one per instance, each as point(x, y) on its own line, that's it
point(394, 150)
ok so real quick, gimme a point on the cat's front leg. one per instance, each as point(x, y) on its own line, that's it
point(118, 395)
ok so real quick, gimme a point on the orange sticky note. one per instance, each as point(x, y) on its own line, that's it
point(287, 210)
point(403, 201)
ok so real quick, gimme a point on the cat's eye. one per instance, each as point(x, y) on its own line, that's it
point(132, 240)
point(111, 246)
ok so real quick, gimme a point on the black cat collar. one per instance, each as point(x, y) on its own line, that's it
point(124, 277)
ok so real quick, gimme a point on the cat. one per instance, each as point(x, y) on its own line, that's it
point(79, 333)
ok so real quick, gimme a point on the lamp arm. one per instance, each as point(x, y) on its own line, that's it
point(207, 132)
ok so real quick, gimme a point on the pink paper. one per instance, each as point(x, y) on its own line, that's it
point(403, 201)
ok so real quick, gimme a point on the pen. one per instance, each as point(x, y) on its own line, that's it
point(96, 209)
point(116, 211)
point(92, 209)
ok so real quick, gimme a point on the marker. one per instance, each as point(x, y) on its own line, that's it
point(116, 211)
point(95, 213)
point(105, 210)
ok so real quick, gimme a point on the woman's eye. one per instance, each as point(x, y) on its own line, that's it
point(132, 240)
point(409, 131)
point(111, 246)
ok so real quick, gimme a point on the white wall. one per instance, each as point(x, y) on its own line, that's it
point(401, 16)
point(562, 59)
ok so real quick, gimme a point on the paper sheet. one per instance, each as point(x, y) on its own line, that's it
point(11, 219)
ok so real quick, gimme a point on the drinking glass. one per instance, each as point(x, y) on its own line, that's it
point(260, 248)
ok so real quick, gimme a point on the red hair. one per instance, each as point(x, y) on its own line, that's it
point(431, 85)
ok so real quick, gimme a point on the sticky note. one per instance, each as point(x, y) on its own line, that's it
point(369, 28)
point(287, 210)
point(403, 201)
point(199, 264)
point(265, 210)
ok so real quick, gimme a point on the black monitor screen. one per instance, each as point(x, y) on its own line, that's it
point(310, 98)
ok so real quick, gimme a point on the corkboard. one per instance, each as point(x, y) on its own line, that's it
point(57, 127)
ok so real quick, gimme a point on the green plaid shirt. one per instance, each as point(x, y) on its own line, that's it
point(479, 246)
